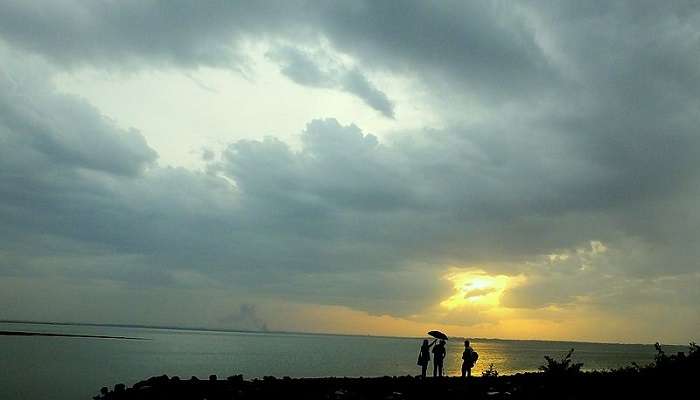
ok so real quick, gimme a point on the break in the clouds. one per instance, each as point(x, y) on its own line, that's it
point(556, 195)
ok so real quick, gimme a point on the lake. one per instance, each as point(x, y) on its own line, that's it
point(37, 367)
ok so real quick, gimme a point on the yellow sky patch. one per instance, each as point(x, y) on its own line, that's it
point(476, 287)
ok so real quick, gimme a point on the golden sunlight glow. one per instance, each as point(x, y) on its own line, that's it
point(476, 287)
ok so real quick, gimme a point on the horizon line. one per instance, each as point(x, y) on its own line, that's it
point(233, 330)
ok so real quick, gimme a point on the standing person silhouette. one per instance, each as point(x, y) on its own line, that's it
point(439, 353)
point(424, 356)
point(469, 356)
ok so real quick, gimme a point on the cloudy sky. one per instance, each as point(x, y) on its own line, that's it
point(502, 169)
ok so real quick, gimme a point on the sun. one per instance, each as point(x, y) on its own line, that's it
point(476, 287)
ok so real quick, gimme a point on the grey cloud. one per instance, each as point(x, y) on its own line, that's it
point(207, 154)
point(45, 128)
point(141, 226)
point(543, 291)
point(363, 178)
point(299, 66)
point(339, 221)
point(356, 83)
point(130, 33)
point(619, 278)
point(486, 49)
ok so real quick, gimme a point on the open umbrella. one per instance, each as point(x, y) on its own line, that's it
point(438, 335)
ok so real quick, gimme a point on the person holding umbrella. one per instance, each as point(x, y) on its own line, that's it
point(424, 356)
point(439, 352)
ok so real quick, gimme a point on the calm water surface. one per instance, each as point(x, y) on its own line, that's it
point(75, 368)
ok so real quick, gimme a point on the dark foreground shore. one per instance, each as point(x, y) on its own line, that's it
point(668, 377)
point(521, 386)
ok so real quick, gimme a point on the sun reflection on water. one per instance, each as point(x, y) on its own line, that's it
point(489, 353)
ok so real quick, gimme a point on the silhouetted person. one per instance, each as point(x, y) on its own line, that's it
point(424, 356)
point(439, 353)
point(469, 358)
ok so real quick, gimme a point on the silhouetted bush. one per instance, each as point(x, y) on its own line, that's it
point(561, 367)
point(491, 372)
point(675, 363)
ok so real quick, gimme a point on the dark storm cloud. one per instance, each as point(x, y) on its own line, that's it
point(300, 67)
point(356, 83)
point(484, 47)
point(43, 128)
point(134, 32)
point(589, 133)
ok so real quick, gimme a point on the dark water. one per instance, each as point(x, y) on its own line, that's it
point(75, 368)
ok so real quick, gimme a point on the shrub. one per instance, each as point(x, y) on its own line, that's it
point(491, 372)
point(563, 366)
point(676, 362)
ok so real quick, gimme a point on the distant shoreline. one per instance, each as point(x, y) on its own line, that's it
point(201, 329)
point(22, 333)
point(204, 329)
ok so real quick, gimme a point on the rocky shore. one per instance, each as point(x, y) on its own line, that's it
point(521, 386)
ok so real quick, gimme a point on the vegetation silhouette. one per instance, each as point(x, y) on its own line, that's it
point(561, 367)
point(490, 372)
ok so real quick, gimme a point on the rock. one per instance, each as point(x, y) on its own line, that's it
point(340, 394)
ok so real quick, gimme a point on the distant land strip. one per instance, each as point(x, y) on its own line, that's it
point(283, 332)
point(194, 328)
point(20, 333)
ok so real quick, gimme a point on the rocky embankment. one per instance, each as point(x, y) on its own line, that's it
point(521, 386)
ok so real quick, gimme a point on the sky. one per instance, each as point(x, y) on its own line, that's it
point(525, 170)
